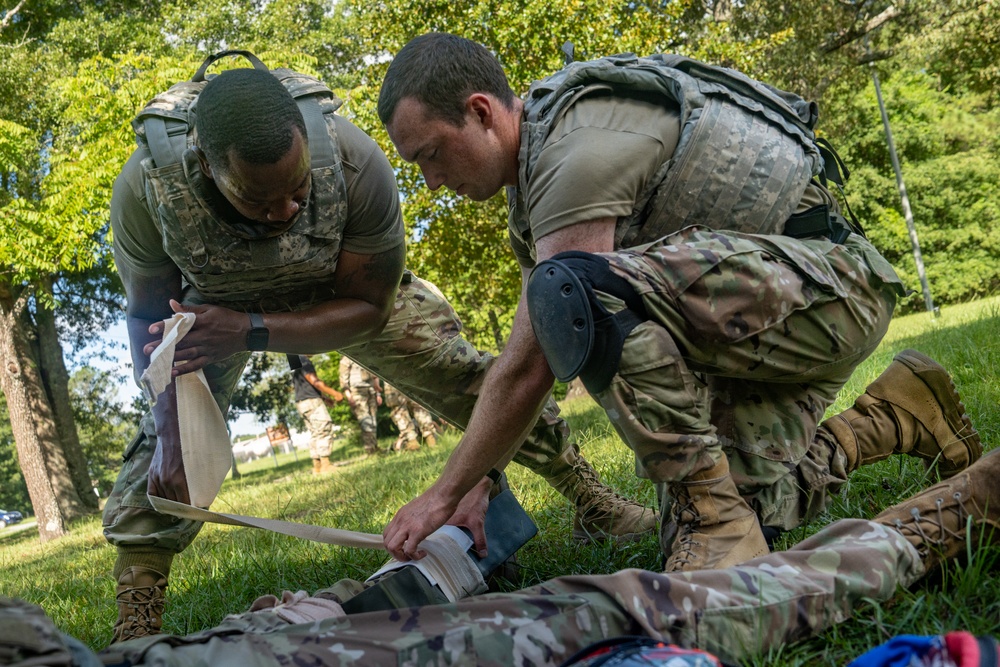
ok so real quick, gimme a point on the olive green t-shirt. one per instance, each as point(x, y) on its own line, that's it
point(374, 223)
point(597, 161)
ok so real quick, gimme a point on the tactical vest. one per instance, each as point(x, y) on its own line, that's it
point(235, 263)
point(744, 158)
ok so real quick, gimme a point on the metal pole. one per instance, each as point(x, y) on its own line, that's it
point(907, 213)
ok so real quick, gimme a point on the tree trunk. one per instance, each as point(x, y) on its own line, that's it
point(53, 496)
point(55, 379)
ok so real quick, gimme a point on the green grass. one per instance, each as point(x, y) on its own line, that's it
point(226, 568)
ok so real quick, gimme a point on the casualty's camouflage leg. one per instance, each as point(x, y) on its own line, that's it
point(761, 605)
point(735, 613)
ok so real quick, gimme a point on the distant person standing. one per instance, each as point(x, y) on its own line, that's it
point(409, 416)
point(312, 405)
point(363, 393)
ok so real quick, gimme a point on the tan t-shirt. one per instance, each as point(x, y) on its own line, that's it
point(597, 161)
point(374, 222)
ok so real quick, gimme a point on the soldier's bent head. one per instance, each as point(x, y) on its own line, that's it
point(248, 114)
point(441, 71)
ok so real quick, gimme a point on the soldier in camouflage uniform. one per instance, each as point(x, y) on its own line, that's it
point(280, 228)
point(736, 613)
point(364, 395)
point(409, 417)
point(679, 256)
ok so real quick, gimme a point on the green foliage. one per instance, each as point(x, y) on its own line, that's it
point(948, 150)
point(104, 424)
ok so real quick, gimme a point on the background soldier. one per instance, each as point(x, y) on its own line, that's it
point(364, 395)
point(408, 417)
point(311, 403)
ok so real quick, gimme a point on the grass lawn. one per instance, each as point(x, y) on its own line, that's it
point(227, 568)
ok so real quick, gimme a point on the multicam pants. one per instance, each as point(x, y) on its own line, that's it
point(421, 352)
point(364, 406)
point(317, 419)
point(407, 415)
point(748, 341)
point(734, 613)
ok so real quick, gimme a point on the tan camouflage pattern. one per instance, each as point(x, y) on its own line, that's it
point(408, 416)
point(749, 340)
point(421, 352)
point(736, 613)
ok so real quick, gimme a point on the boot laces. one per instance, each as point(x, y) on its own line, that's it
point(140, 611)
point(599, 498)
point(687, 520)
point(938, 530)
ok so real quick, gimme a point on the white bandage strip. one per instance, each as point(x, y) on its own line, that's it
point(207, 457)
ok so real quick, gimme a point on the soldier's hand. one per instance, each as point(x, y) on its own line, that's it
point(471, 514)
point(218, 333)
point(167, 478)
point(415, 521)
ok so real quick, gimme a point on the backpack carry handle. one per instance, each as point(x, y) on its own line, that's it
point(254, 60)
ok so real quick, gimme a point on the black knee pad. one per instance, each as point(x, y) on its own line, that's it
point(578, 335)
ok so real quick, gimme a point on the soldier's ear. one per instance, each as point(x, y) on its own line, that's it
point(206, 168)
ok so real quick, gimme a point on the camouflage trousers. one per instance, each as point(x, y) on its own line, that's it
point(317, 419)
point(364, 406)
point(408, 416)
point(421, 352)
point(747, 342)
point(735, 613)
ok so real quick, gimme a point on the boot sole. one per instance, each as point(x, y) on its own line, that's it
point(941, 385)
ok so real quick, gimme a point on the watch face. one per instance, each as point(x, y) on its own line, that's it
point(257, 339)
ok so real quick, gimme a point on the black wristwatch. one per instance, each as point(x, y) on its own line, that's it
point(258, 334)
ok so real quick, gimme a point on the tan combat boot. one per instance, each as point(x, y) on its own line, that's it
point(140, 603)
point(411, 445)
point(601, 514)
point(325, 466)
point(316, 466)
point(715, 527)
point(942, 520)
point(911, 408)
point(430, 440)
